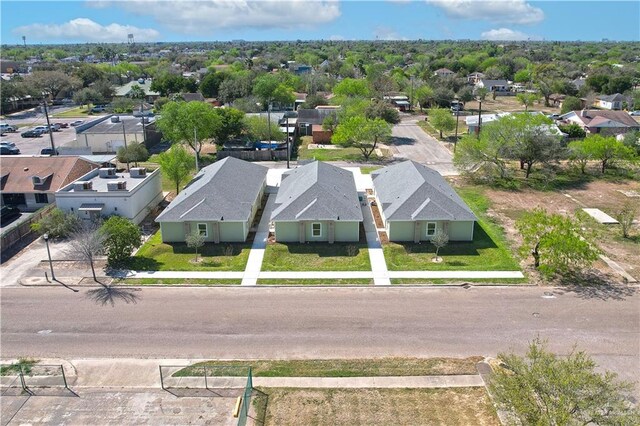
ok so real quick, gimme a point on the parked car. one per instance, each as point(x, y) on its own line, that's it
point(634, 113)
point(63, 125)
point(76, 123)
point(98, 108)
point(4, 127)
point(31, 134)
point(7, 150)
point(7, 143)
point(42, 129)
point(8, 214)
point(554, 116)
point(49, 151)
point(55, 127)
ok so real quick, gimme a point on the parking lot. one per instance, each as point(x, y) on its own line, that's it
point(32, 146)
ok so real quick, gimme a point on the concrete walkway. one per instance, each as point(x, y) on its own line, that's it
point(254, 263)
point(376, 255)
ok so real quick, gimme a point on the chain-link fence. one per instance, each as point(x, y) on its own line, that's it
point(32, 379)
point(245, 404)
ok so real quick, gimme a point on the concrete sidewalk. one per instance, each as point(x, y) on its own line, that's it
point(144, 374)
point(256, 255)
point(376, 254)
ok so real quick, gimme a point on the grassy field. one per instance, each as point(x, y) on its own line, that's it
point(300, 281)
point(454, 406)
point(489, 250)
point(74, 112)
point(155, 255)
point(342, 367)
point(344, 154)
point(179, 281)
point(316, 257)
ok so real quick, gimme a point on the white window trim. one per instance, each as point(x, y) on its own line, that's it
point(206, 229)
point(435, 229)
point(312, 230)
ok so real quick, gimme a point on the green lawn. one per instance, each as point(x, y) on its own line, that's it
point(302, 281)
point(316, 257)
point(367, 170)
point(155, 255)
point(373, 367)
point(179, 281)
point(474, 281)
point(489, 250)
point(72, 113)
point(345, 154)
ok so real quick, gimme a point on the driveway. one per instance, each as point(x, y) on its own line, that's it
point(24, 263)
point(412, 143)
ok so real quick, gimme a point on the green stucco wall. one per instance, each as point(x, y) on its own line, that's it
point(347, 231)
point(344, 231)
point(404, 231)
point(174, 232)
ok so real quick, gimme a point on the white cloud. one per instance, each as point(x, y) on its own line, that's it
point(505, 34)
point(207, 16)
point(83, 29)
point(507, 11)
point(386, 33)
point(336, 37)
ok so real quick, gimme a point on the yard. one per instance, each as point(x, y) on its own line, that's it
point(489, 250)
point(80, 111)
point(453, 406)
point(343, 154)
point(316, 257)
point(155, 255)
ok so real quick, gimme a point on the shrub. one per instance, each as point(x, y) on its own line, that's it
point(56, 224)
point(122, 237)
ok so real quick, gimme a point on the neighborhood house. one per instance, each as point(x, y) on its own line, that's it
point(415, 203)
point(220, 203)
point(317, 202)
point(30, 183)
point(105, 192)
point(604, 122)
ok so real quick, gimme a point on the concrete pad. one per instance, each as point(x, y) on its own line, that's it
point(600, 216)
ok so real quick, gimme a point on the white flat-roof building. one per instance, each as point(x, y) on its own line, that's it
point(106, 192)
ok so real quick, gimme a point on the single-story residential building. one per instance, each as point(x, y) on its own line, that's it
point(308, 119)
point(475, 77)
point(443, 72)
point(472, 122)
point(220, 203)
point(415, 203)
point(610, 102)
point(601, 121)
point(106, 192)
point(124, 91)
point(399, 101)
point(30, 183)
point(110, 133)
point(501, 87)
point(317, 202)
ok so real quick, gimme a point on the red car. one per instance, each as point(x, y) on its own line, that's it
point(63, 125)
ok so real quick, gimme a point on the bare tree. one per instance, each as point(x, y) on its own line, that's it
point(625, 216)
point(195, 240)
point(439, 240)
point(87, 242)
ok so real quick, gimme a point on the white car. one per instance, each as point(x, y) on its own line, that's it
point(41, 129)
point(8, 144)
point(4, 127)
point(635, 113)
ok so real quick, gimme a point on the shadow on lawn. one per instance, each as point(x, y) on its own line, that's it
point(481, 240)
point(323, 249)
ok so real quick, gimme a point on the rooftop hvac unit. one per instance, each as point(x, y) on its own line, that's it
point(138, 172)
point(83, 186)
point(117, 186)
point(107, 172)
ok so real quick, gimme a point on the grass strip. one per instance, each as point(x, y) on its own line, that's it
point(372, 367)
point(179, 281)
point(302, 281)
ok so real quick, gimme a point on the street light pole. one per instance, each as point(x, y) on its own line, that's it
point(457, 119)
point(479, 116)
point(287, 134)
point(269, 125)
point(124, 135)
point(46, 241)
point(46, 114)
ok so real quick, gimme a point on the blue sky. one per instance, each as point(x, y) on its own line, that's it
point(208, 20)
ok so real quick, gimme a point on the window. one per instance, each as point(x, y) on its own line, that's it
point(316, 229)
point(42, 199)
point(431, 229)
point(202, 229)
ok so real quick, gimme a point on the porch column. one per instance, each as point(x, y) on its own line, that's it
point(301, 231)
point(416, 231)
point(331, 231)
point(216, 231)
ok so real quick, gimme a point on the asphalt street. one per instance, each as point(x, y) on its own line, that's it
point(320, 323)
point(411, 142)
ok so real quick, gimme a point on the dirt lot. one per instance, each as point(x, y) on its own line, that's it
point(461, 406)
point(509, 205)
point(508, 104)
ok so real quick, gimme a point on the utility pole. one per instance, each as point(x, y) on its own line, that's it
point(46, 114)
point(411, 106)
point(457, 115)
point(124, 135)
point(479, 116)
point(288, 149)
point(269, 125)
point(195, 145)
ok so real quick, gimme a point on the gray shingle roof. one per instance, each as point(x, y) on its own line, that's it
point(225, 190)
point(317, 191)
point(612, 98)
point(412, 191)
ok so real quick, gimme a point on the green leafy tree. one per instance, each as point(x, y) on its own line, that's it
point(557, 243)
point(231, 125)
point(362, 133)
point(425, 96)
point(168, 84)
point(122, 237)
point(442, 120)
point(351, 87)
point(87, 96)
point(542, 388)
point(57, 224)
point(210, 83)
point(527, 99)
point(439, 240)
point(195, 240)
point(258, 129)
point(53, 83)
point(177, 165)
point(191, 123)
point(269, 88)
point(573, 131)
point(579, 155)
point(480, 157)
point(570, 103)
point(607, 150)
point(625, 216)
point(383, 110)
point(133, 153)
point(481, 93)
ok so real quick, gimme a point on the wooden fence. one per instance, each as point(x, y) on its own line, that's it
point(254, 155)
point(21, 230)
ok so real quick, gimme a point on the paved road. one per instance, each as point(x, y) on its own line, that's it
point(411, 142)
point(303, 323)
